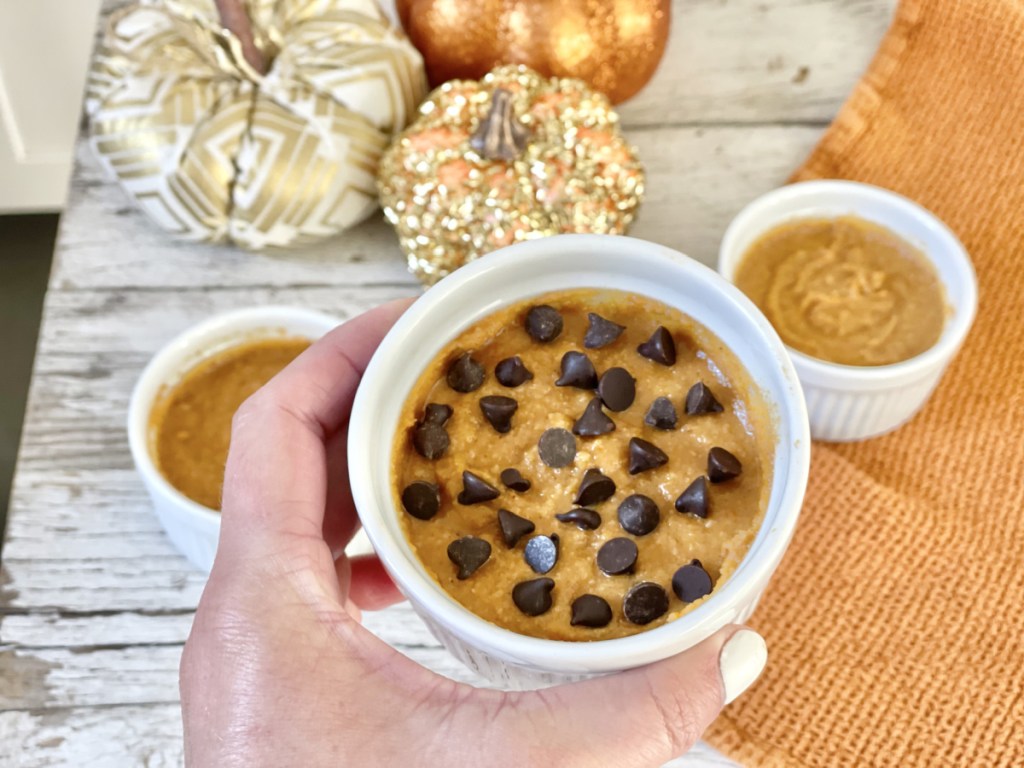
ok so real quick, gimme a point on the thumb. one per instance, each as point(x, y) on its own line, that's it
point(646, 716)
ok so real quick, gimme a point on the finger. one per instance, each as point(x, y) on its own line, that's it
point(370, 586)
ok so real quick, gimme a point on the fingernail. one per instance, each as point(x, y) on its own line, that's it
point(741, 661)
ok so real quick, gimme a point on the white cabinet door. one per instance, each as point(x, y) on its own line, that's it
point(44, 51)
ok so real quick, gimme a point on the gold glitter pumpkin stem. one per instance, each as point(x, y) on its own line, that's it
point(235, 19)
point(500, 136)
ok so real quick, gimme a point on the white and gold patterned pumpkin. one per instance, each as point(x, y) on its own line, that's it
point(214, 150)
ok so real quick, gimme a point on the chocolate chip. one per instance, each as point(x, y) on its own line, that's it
point(617, 389)
point(437, 413)
point(533, 597)
point(617, 556)
point(694, 500)
point(511, 372)
point(543, 323)
point(465, 374)
point(430, 440)
point(594, 421)
point(645, 602)
point(585, 519)
point(476, 490)
point(691, 582)
point(421, 499)
point(638, 514)
point(513, 527)
point(722, 465)
point(577, 371)
point(541, 553)
point(557, 447)
point(644, 456)
point(511, 478)
point(660, 347)
point(468, 553)
point(662, 414)
point(700, 400)
point(601, 332)
point(590, 611)
point(594, 488)
point(498, 410)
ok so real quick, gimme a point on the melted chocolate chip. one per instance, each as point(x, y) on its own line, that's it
point(617, 556)
point(476, 490)
point(691, 582)
point(594, 421)
point(430, 440)
point(660, 347)
point(498, 410)
point(617, 389)
point(513, 527)
point(465, 374)
point(421, 499)
point(577, 371)
point(644, 456)
point(601, 332)
point(594, 488)
point(585, 519)
point(590, 611)
point(468, 553)
point(645, 602)
point(557, 447)
point(638, 514)
point(437, 413)
point(541, 553)
point(543, 323)
point(700, 400)
point(533, 597)
point(722, 465)
point(694, 500)
point(512, 371)
point(512, 478)
point(662, 414)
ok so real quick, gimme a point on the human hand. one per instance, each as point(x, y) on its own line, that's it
point(278, 670)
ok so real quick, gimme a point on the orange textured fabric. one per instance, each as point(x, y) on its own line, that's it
point(895, 625)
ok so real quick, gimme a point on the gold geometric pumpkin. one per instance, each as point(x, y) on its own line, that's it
point(214, 151)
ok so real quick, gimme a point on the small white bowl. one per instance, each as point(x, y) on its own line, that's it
point(191, 527)
point(506, 658)
point(848, 402)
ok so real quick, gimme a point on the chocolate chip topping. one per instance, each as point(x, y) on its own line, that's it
point(585, 519)
point(421, 499)
point(644, 456)
point(465, 374)
point(437, 413)
point(595, 487)
point(577, 371)
point(498, 410)
point(468, 553)
point(660, 347)
point(590, 611)
point(557, 447)
point(645, 602)
point(638, 514)
point(617, 556)
point(513, 527)
point(476, 490)
point(594, 421)
point(430, 440)
point(543, 323)
point(512, 371)
point(512, 478)
point(601, 332)
point(700, 400)
point(662, 414)
point(694, 500)
point(533, 597)
point(541, 553)
point(722, 465)
point(617, 389)
point(691, 582)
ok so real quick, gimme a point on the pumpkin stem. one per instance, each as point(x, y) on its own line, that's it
point(500, 135)
point(235, 19)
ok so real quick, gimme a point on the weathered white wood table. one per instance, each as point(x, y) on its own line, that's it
point(94, 602)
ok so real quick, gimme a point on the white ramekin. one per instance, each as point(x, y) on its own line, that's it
point(508, 659)
point(847, 402)
point(191, 527)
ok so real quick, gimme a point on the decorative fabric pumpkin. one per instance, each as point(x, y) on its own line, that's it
point(614, 45)
point(512, 157)
point(214, 149)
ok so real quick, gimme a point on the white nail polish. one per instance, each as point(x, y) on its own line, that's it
point(741, 661)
